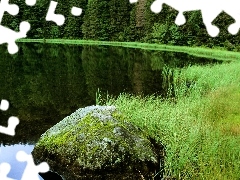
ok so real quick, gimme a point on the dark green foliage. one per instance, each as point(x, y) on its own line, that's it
point(97, 20)
point(133, 33)
point(73, 29)
point(13, 22)
point(119, 18)
point(115, 20)
point(106, 20)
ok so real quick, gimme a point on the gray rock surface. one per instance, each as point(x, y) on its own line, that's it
point(97, 142)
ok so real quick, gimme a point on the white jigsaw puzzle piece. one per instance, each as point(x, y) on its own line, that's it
point(232, 8)
point(59, 19)
point(4, 170)
point(209, 9)
point(133, 1)
point(9, 36)
point(31, 171)
point(12, 9)
point(76, 11)
point(4, 105)
point(12, 123)
point(209, 12)
point(30, 2)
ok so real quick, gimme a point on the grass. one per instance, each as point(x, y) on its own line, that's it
point(196, 51)
point(228, 100)
point(201, 128)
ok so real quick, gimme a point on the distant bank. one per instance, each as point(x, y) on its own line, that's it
point(219, 54)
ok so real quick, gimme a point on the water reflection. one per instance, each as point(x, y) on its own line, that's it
point(8, 155)
point(44, 83)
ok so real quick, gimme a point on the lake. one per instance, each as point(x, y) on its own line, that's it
point(44, 83)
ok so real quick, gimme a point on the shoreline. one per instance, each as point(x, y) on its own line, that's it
point(217, 54)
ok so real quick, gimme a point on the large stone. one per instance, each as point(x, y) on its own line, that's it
point(97, 142)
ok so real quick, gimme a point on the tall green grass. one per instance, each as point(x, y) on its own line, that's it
point(200, 129)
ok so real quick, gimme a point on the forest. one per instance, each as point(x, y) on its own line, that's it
point(113, 20)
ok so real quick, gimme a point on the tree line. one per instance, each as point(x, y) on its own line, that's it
point(114, 20)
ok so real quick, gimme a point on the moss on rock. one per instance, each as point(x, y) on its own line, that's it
point(97, 140)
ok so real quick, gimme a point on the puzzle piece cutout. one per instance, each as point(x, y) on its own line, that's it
point(12, 9)
point(31, 171)
point(133, 1)
point(7, 35)
point(4, 105)
point(12, 121)
point(209, 9)
point(76, 11)
point(51, 16)
point(4, 170)
point(59, 19)
point(30, 2)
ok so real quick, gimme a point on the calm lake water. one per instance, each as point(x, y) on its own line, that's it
point(45, 83)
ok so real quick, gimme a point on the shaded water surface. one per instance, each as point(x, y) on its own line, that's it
point(45, 83)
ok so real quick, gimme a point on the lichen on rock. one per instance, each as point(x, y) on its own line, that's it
point(97, 142)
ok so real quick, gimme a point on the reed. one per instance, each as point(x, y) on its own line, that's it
point(200, 129)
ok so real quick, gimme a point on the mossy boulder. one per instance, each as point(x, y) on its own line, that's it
point(97, 142)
